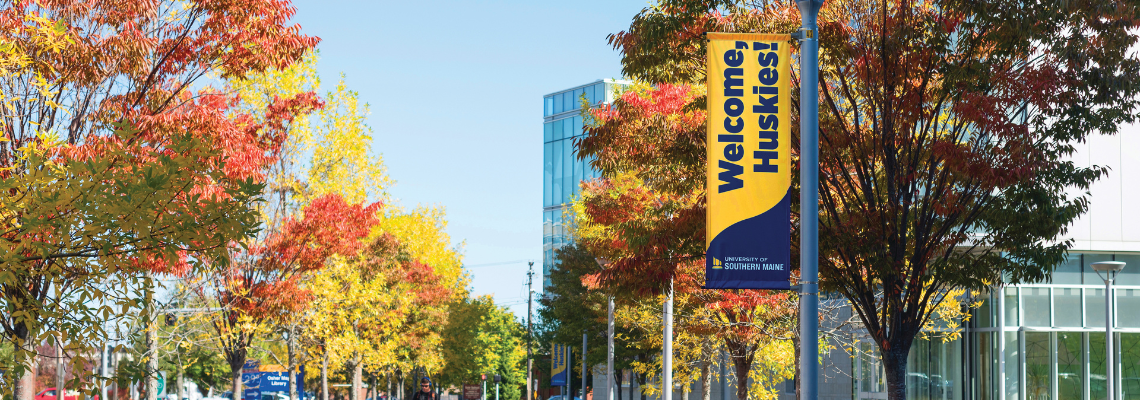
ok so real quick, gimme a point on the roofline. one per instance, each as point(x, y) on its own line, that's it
point(618, 81)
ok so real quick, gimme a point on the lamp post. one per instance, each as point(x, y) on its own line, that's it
point(1110, 269)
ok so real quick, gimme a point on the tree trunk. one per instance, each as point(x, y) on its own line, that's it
point(291, 346)
point(632, 383)
point(796, 376)
point(617, 382)
point(357, 369)
point(706, 377)
point(181, 380)
point(151, 326)
point(894, 366)
point(60, 371)
point(235, 375)
point(325, 374)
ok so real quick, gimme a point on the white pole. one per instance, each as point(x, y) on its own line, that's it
point(1108, 337)
point(667, 347)
point(610, 349)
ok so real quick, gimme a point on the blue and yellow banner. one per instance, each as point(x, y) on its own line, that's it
point(559, 356)
point(748, 232)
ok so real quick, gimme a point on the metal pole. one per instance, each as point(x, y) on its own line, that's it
point(667, 347)
point(610, 348)
point(583, 366)
point(529, 359)
point(569, 393)
point(1108, 336)
point(809, 200)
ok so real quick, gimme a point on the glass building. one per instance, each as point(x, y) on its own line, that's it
point(1042, 341)
point(561, 169)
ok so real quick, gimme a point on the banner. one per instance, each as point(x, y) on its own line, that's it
point(748, 233)
point(558, 367)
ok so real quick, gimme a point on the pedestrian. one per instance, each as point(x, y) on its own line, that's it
point(425, 392)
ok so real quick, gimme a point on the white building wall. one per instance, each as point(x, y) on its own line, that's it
point(1112, 222)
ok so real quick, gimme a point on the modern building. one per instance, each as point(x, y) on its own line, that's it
point(562, 170)
point(1039, 341)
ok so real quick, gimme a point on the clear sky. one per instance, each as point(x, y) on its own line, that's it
point(455, 89)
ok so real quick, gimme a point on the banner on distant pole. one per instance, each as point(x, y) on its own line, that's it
point(558, 367)
point(748, 232)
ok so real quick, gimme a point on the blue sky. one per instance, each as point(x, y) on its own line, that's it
point(455, 89)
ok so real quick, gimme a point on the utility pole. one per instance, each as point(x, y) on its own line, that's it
point(529, 354)
point(584, 367)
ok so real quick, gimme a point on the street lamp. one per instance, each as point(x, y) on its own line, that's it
point(1110, 269)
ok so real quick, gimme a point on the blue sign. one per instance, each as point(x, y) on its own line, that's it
point(251, 385)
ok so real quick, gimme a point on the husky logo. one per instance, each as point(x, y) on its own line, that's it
point(717, 264)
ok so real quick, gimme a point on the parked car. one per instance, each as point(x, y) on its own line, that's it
point(561, 397)
point(49, 394)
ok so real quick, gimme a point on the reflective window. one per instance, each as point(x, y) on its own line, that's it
point(547, 106)
point(1129, 365)
point(1127, 304)
point(568, 170)
point(547, 131)
point(1011, 307)
point(1035, 307)
point(1037, 366)
point(568, 101)
point(1131, 273)
point(1069, 271)
point(557, 104)
point(1097, 390)
point(590, 94)
point(556, 130)
point(1067, 307)
point(556, 189)
point(1094, 308)
point(601, 92)
point(568, 128)
point(577, 99)
point(1070, 362)
point(547, 174)
point(1012, 361)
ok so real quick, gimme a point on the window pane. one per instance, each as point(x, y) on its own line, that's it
point(1069, 271)
point(568, 170)
point(1130, 365)
point(557, 103)
point(569, 103)
point(1012, 352)
point(590, 94)
point(984, 314)
point(1037, 365)
point(1011, 307)
point(556, 190)
point(547, 131)
point(600, 93)
point(568, 128)
point(1090, 276)
point(547, 174)
point(1067, 303)
point(1070, 379)
point(1094, 308)
point(1097, 390)
point(1131, 273)
point(987, 366)
point(576, 98)
point(1127, 302)
point(556, 130)
point(580, 173)
point(547, 106)
point(1036, 309)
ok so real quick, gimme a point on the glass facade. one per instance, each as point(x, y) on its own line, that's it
point(562, 170)
point(1029, 342)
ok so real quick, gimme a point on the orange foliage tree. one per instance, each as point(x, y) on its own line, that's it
point(117, 160)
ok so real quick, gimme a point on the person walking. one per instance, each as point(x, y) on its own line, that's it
point(425, 392)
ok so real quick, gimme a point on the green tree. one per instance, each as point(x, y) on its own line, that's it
point(482, 338)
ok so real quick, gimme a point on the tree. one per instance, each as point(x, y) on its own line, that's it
point(259, 284)
point(945, 130)
point(112, 165)
point(482, 338)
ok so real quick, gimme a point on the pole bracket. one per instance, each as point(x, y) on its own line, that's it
point(803, 34)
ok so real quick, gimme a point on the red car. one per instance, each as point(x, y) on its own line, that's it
point(49, 394)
